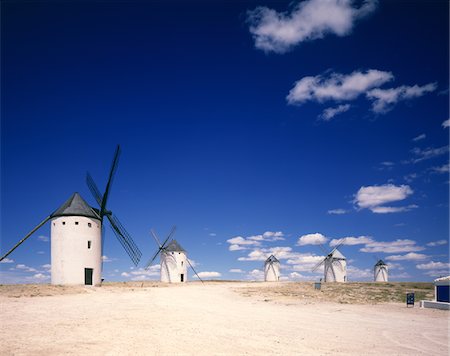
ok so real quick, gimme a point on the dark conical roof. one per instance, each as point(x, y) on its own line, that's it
point(75, 206)
point(174, 246)
point(272, 258)
point(380, 263)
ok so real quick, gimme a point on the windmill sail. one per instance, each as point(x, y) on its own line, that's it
point(25, 238)
point(121, 234)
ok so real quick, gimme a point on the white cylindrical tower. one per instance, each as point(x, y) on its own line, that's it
point(335, 268)
point(272, 269)
point(173, 263)
point(380, 272)
point(76, 244)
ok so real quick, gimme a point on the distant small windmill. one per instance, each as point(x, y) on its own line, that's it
point(76, 237)
point(380, 271)
point(272, 269)
point(173, 260)
point(335, 265)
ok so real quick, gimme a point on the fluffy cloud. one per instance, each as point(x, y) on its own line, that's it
point(337, 86)
point(40, 276)
point(427, 153)
point(437, 243)
point(446, 123)
point(239, 243)
point(374, 197)
point(255, 274)
point(350, 240)
point(236, 270)
point(355, 273)
point(261, 254)
point(434, 266)
point(311, 239)
point(329, 113)
point(419, 138)
point(125, 274)
point(304, 262)
point(209, 274)
point(399, 245)
point(442, 169)
point(7, 260)
point(337, 212)
point(385, 99)
point(26, 268)
point(412, 256)
point(309, 20)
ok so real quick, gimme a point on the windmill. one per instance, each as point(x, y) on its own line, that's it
point(173, 260)
point(76, 237)
point(272, 269)
point(380, 271)
point(335, 265)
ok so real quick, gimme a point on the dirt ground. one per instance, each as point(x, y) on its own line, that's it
point(233, 318)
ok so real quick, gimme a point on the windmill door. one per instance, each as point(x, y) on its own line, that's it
point(182, 277)
point(88, 276)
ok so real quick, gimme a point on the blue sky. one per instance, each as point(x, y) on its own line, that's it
point(254, 127)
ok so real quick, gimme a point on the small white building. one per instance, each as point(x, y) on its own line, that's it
point(272, 269)
point(441, 295)
point(173, 263)
point(335, 267)
point(76, 243)
point(380, 272)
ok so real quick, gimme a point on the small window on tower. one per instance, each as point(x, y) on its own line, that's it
point(89, 244)
point(76, 222)
point(181, 263)
point(64, 223)
point(89, 225)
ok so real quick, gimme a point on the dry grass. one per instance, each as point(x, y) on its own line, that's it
point(355, 293)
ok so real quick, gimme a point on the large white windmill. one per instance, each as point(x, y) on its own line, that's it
point(173, 260)
point(380, 271)
point(335, 266)
point(272, 269)
point(76, 236)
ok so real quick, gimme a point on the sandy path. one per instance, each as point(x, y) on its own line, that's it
point(212, 319)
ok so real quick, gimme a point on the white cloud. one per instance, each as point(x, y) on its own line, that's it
point(354, 273)
point(385, 99)
point(412, 256)
point(391, 209)
point(419, 138)
point(304, 262)
point(107, 259)
point(337, 211)
point(7, 260)
point(428, 153)
point(434, 266)
point(329, 113)
point(403, 275)
point(26, 268)
point(255, 274)
point(309, 20)
point(437, 243)
point(212, 234)
point(446, 123)
point(337, 86)
point(43, 238)
point(374, 197)
point(236, 270)
point(40, 276)
point(125, 274)
point(239, 240)
point(399, 245)
point(311, 239)
point(237, 248)
point(206, 274)
point(47, 266)
point(295, 276)
point(350, 240)
point(437, 273)
point(442, 169)
point(261, 254)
